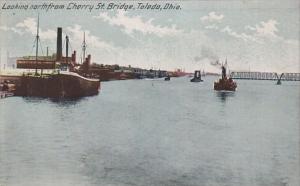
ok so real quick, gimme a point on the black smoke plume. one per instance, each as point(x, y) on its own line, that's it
point(210, 55)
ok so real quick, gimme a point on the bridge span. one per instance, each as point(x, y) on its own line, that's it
point(265, 76)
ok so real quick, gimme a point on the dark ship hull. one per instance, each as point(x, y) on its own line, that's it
point(63, 85)
point(197, 77)
point(225, 84)
point(196, 80)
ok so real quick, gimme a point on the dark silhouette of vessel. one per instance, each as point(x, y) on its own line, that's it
point(225, 83)
point(65, 82)
point(197, 76)
point(167, 78)
point(63, 85)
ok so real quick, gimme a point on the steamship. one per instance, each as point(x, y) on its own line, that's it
point(225, 83)
point(67, 79)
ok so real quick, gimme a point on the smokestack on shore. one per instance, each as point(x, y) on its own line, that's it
point(59, 44)
point(67, 48)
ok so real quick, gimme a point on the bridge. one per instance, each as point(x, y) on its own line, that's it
point(266, 76)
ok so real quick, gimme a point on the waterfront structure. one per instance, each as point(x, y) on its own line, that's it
point(197, 76)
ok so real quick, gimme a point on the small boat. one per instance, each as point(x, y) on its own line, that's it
point(225, 83)
point(167, 78)
point(197, 76)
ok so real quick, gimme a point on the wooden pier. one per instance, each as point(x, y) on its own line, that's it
point(5, 94)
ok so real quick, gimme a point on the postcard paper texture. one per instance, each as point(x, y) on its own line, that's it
point(149, 93)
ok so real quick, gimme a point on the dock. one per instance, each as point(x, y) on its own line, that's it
point(5, 94)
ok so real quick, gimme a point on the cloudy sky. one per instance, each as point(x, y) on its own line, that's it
point(251, 34)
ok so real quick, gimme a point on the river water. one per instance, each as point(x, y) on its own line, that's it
point(154, 133)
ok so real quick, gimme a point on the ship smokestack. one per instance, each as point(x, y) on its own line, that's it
point(74, 57)
point(59, 44)
point(88, 60)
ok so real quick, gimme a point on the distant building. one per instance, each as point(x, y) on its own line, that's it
point(9, 62)
point(12, 62)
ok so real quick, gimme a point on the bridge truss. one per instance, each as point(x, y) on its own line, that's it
point(265, 76)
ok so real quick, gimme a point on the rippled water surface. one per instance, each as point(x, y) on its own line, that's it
point(154, 133)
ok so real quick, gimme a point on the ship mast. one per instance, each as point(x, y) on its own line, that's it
point(37, 45)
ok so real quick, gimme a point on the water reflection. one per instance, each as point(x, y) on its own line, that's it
point(223, 95)
point(66, 101)
point(58, 101)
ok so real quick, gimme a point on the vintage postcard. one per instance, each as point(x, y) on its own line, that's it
point(149, 93)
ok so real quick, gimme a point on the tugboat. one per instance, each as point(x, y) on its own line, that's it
point(197, 76)
point(225, 83)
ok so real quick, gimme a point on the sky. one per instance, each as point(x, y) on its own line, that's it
point(252, 35)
